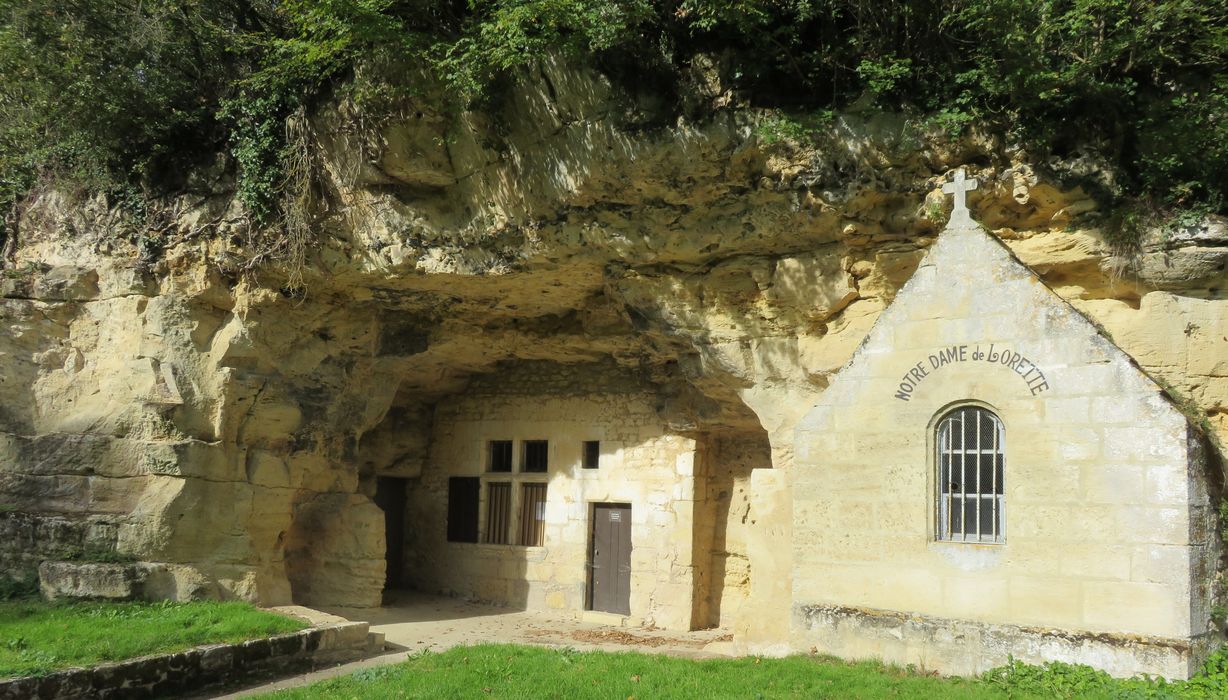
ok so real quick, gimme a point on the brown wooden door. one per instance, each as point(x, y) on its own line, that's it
point(610, 559)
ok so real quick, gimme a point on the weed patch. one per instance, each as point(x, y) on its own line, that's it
point(1059, 680)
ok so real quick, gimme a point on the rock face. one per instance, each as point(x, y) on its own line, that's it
point(186, 409)
point(58, 579)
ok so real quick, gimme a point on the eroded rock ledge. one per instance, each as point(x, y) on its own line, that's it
point(180, 411)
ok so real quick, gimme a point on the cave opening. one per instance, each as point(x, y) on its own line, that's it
point(391, 495)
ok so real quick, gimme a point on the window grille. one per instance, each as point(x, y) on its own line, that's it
point(535, 456)
point(533, 515)
point(498, 512)
point(500, 456)
point(970, 476)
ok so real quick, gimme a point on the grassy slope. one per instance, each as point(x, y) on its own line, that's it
point(36, 637)
point(503, 671)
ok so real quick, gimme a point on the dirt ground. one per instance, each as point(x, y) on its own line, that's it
point(414, 622)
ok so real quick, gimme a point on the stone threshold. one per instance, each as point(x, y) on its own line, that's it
point(330, 640)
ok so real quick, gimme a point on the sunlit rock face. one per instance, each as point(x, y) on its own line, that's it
point(216, 418)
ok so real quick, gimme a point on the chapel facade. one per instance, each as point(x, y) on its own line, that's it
point(991, 477)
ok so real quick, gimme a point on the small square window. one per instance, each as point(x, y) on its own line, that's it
point(500, 458)
point(592, 454)
point(535, 456)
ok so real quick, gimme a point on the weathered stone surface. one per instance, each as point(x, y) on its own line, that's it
point(217, 658)
point(1188, 257)
point(1102, 477)
point(67, 579)
point(228, 429)
point(898, 637)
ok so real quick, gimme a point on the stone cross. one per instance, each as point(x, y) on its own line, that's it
point(960, 187)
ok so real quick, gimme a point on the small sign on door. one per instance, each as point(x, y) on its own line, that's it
point(615, 516)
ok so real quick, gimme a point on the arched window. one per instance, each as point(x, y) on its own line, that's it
point(971, 458)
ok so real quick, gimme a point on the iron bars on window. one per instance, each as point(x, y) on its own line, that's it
point(971, 461)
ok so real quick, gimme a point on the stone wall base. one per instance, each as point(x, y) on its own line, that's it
point(962, 647)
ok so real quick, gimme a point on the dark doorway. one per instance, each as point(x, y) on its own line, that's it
point(610, 559)
point(390, 496)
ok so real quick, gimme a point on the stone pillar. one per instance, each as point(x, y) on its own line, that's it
point(763, 626)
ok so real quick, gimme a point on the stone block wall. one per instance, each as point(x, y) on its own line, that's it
point(640, 464)
point(26, 539)
point(724, 519)
point(1108, 525)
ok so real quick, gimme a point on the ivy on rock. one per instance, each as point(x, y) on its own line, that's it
point(124, 94)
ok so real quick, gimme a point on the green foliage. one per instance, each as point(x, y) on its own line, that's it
point(20, 587)
point(506, 671)
point(311, 43)
point(95, 553)
point(1053, 680)
point(501, 35)
point(1219, 614)
point(1061, 680)
point(37, 636)
point(258, 146)
point(1223, 519)
point(115, 93)
point(1147, 77)
point(952, 121)
point(800, 128)
point(884, 75)
point(526, 672)
point(98, 90)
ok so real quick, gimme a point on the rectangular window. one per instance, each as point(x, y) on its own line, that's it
point(498, 512)
point(592, 454)
point(535, 456)
point(463, 494)
point(500, 457)
point(533, 514)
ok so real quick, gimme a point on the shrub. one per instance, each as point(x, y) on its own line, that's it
point(18, 587)
point(107, 93)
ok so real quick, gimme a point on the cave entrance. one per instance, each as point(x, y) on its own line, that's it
point(391, 495)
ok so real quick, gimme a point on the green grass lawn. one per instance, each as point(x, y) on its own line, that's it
point(506, 671)
point(37, 637)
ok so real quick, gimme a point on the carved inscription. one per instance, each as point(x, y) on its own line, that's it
point(1020, 364)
